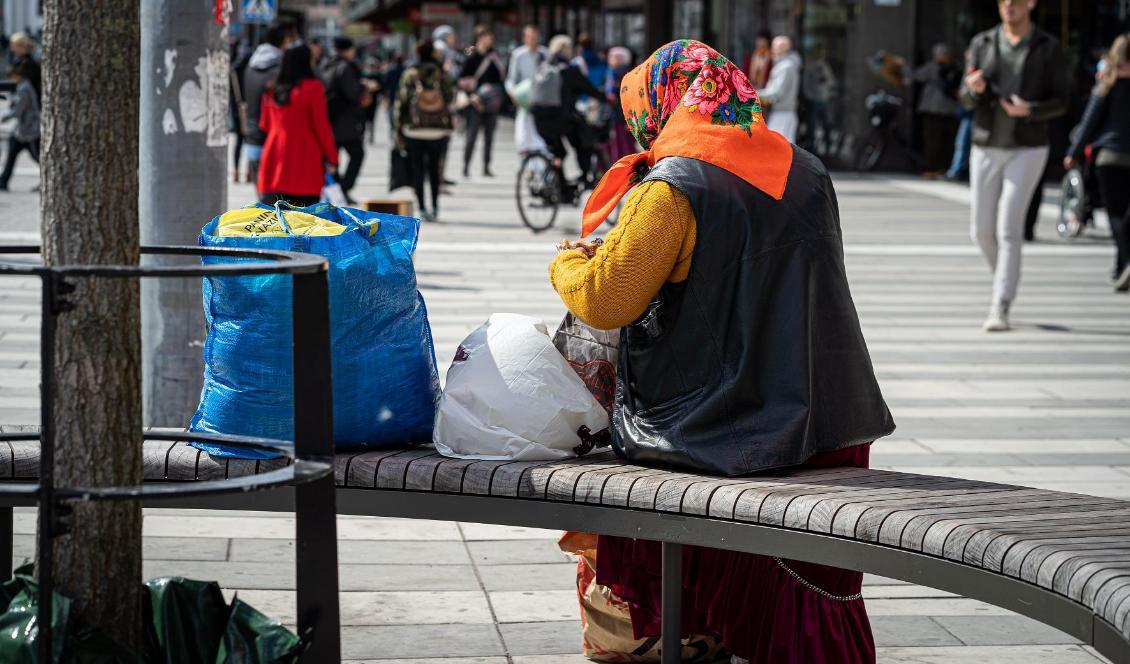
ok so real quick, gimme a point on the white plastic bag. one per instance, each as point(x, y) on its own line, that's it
point(510, 395)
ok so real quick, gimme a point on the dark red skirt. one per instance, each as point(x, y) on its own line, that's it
point(752, 603)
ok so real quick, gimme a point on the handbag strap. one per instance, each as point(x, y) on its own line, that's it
point(482, 68)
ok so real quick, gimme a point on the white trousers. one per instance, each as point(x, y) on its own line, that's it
point(1002, 181)
point(784, 123)
point(526, 135)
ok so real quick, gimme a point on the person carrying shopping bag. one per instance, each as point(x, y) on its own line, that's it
point(300, 149)
point(740, 348)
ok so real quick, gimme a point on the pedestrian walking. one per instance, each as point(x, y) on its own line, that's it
point(22, 47)
point(25, 111)
point(481, 79)
point(390, 83)
point(260, 75)
point(938, 108)
point(1017, 81)
point(374, 81)
point(524, 63)
point(622, 142)
point(707, 247)
point(553, 103)
point(761, 61)
point(1106, 128)
point(347, 97)
point(422, 123)
point(299, 150)
point(818, 87)
point(959, 163)
point(237, 103)
point(781, 93)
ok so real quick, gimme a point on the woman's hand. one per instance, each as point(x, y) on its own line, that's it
point(1069, 163)
point(586, 247)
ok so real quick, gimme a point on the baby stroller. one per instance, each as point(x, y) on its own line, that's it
point(1079, 199)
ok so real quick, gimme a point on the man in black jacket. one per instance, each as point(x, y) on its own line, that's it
point(347, 97)
point(260, 74)
point(1016, 82)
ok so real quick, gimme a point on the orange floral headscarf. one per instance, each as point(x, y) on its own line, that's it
point(687, 100)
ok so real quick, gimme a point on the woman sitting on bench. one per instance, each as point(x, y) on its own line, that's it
point(741, 350)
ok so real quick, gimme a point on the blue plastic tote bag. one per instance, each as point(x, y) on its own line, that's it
point(385, 383)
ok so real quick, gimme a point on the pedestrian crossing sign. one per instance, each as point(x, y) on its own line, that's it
point(259, 11)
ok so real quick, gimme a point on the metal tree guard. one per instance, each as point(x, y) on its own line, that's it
point(310, 454)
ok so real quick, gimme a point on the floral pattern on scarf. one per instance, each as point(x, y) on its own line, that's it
point(687, 76)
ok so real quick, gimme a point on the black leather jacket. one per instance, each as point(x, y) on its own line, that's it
point(1106, 122)
point(757, 360)
point(1043, 84)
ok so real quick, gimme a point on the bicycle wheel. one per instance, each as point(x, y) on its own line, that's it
point(871, 152)
point(1072, 206)
point(538, 192)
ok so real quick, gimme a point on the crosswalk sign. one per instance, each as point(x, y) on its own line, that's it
point(259, 11)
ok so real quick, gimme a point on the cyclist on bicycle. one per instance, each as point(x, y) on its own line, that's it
point(553, 100)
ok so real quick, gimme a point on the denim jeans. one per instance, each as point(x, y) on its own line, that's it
point(960, 162)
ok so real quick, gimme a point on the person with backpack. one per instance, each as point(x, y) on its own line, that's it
point(258, 76)
point(25, 111)
point(553, 101)
point(481, 78)
point(422, 123)
point(347, 98)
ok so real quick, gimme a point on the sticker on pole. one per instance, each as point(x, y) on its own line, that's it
point(259, 11)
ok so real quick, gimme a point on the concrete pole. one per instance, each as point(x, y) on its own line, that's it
point(183, 178)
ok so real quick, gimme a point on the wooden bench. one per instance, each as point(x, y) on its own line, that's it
point(1060, 558)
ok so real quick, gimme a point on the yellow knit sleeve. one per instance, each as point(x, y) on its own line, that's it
point(651, 245)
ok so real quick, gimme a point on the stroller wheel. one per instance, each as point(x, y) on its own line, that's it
point(1072, 206)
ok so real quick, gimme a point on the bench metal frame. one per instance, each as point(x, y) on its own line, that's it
point(675, 530)
point(308, 479)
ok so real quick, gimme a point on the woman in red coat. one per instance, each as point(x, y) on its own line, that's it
point(300, 146)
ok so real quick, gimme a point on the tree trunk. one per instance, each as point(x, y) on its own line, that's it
point(89, 206)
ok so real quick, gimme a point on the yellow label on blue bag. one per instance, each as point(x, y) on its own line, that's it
point(255, 221)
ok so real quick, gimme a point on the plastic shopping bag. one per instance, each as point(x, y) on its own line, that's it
point(332, 193)
point(606, 622)
point(593, 354)
point(385, 382)
point(511, 395)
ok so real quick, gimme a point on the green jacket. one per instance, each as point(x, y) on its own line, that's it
point(425, 74)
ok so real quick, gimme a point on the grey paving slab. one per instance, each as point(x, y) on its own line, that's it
point(153, 548)
point(516, 552)
point(535, 605)
point(988, 654)
point(556, 576)
point(268, 576)
point(368, 552)
point(422, 642)
point(910, 631)
point(542, 638)
point(383, 608)
point(1002, 631)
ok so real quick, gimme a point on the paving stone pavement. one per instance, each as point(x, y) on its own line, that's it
point(1047, 405)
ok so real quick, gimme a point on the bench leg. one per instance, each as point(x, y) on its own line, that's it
point(672, 602)
point(5, 543)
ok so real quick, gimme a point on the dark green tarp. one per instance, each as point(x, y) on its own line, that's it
point(187, 622)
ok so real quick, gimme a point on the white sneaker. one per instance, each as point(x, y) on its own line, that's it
point(998, 318)
point(1122, 281)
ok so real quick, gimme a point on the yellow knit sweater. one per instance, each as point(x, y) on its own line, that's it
point(651, 245)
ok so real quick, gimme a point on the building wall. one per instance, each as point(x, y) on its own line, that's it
point(22, 16)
